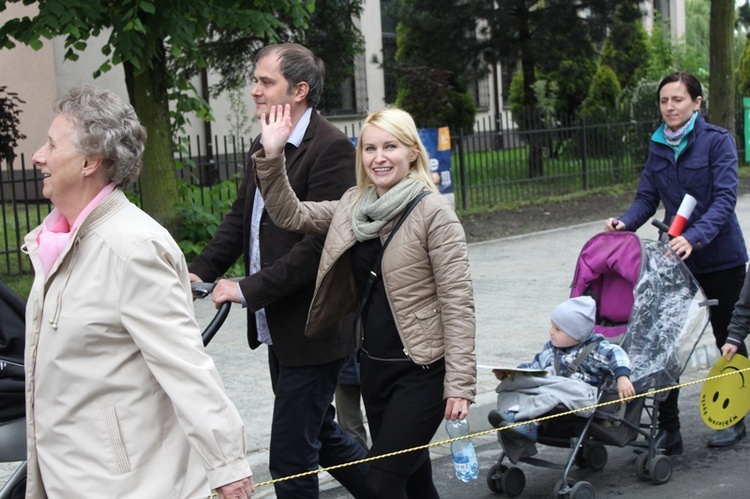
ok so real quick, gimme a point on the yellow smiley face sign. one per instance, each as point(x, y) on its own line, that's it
point(726, 399)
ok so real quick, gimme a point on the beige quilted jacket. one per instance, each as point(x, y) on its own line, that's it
point(425, 270)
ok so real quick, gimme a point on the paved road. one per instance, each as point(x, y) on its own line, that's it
point(517, 283)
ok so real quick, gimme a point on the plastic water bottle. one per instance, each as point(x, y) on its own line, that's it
point(464, 455)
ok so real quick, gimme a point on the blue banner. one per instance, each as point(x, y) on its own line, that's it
point(437, 141)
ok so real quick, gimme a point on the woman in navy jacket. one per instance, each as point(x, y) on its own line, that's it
point(689, 156)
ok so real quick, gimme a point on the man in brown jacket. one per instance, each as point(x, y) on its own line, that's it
point(281, 268)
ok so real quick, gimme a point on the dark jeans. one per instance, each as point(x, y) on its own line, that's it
point(304, 433)
point(723, 286)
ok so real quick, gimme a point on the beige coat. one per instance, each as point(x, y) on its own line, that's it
point(122, 400)
point(425, 270)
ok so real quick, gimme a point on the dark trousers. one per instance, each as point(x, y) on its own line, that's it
point(723, 286)
point(304, 434)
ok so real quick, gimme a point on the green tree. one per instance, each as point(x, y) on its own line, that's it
point(146, 38)
point(604, 94)
point(527, 30)
point(330, 33)
point(660, 48)
point(721, 79)
point(669, 55)
point(440, 35)
point(626, 49)
point(572, 76)
point(743, 74)
point(697, 20)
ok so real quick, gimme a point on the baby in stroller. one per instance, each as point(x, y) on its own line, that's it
point(575, 359)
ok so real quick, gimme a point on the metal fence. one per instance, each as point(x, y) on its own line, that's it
point(498, 165)
point(502, 165)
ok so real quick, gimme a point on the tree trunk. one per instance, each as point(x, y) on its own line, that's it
point(158, 183)
point(721, 82)
point(528, 63)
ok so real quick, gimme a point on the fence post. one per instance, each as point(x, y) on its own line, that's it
point(462, 167)
point(584, 157)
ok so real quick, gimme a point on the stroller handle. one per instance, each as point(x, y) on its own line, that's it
point(11, 362)
point(660, 225)
point(200, 291)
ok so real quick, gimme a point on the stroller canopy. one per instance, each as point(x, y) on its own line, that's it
point(647, 300)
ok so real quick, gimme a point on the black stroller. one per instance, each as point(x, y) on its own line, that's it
point(12, 404)
point(649, 303)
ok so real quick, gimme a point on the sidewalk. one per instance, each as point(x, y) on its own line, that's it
point(517, 282)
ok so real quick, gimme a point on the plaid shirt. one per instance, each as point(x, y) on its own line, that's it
point(604, 358)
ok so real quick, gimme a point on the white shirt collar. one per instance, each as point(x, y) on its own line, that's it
point(299, 131)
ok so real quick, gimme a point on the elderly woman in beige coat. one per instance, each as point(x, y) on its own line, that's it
point(417, 328)
point(122, 400)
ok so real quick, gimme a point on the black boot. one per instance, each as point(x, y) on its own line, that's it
point(728, 436)
point(669, 441)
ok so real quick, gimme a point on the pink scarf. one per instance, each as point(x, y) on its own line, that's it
point(56, 231)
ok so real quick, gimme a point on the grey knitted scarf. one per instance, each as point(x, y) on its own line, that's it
point(372, 213)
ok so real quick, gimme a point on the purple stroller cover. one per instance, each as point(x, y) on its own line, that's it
point(608, 269)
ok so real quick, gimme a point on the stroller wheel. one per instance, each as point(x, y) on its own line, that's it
point(561, 490)
point(493, 478)
point(596, 456)
point(582, 490)
point(580, 459)
point(641, 467)
point(592, 456)
point(513, 481)
point(660, 469)
point(19, 491)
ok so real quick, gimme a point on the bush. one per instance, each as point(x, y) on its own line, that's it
point(640, 104)
point(459, 115)
point(198, 221)
point(603, 94)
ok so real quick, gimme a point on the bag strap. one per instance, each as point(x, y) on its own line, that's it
point(373, 277)
point(585, 351)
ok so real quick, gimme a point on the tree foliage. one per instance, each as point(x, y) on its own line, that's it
point(329, 32)
point(661, 50)
point(538, 35)
point(697, 19)
point(569, 59)
point(743, 73)
point(626, 49)
point(439, 35)
point(603, 95)
point(154, 42)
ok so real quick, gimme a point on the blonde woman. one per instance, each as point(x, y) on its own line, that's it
point(417, 327)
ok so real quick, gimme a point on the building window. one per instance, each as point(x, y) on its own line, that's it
point(350, 97)
point(480, 91)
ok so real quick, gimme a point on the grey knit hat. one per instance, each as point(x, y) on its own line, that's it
point(576, 317)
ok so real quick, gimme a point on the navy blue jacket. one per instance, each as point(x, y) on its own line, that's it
point(707, 170)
